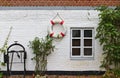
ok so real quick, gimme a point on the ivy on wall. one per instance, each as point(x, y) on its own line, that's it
point(108, 33)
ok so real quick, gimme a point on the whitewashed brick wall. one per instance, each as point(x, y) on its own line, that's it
point(28, 24)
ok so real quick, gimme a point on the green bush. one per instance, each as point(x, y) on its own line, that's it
point(41, 49)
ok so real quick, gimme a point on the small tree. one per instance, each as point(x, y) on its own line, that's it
point(41, 48)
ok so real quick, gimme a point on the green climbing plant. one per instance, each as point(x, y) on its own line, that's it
point(5, 46)
point(3, 49)
point(42, 47)
point(108, 33)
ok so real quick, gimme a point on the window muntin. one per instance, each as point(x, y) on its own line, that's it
point(82, 40)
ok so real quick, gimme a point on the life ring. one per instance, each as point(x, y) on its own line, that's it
point(60, 34)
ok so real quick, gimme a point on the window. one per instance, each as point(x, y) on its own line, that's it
point(82, 43)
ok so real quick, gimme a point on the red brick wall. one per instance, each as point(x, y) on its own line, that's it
point(59, 2)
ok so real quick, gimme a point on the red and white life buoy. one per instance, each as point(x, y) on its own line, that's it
point(60, 34)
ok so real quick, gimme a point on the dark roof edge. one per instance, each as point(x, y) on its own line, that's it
point(48, 7)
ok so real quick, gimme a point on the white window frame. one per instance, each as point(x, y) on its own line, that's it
point(82, 56)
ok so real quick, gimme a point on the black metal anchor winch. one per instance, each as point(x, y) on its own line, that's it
point(9, 57)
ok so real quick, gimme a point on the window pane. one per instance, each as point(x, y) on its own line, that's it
point(87, 42)
point(75, 42)
point(87, 33)
point(76, 33)
point(76, 51)
point(88, 51)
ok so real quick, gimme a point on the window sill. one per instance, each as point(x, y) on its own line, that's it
point(81, 58)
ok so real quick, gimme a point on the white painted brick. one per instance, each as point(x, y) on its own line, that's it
point(28, 24)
